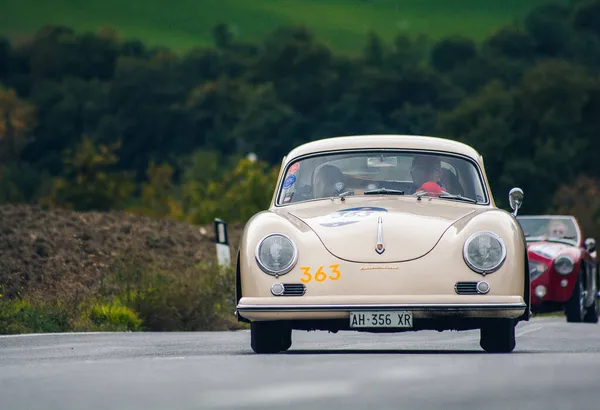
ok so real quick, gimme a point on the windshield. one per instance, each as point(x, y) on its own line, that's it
point(550, 228)
point(382, 173)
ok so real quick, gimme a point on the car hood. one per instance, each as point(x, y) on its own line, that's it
point(551, 250)
point(410, 228)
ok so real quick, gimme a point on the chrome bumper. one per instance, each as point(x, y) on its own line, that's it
point(422, 310)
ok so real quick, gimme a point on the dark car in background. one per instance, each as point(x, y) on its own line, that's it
point(563, 267)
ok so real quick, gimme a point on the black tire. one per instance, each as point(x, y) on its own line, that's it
point(591, 312)
point(286, 339)
point(574, 309)
point(498, 337)
point(270, 337)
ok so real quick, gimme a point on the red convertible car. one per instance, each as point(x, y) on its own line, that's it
point(563, 268)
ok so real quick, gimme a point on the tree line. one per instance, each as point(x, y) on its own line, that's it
point(93, 121)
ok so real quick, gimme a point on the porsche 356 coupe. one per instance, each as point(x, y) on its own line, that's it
point(563, 267)
point(383, 233)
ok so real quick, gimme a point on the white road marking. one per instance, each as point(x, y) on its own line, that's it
point(61, 334)
point(169, 358)
point(280, 393)
point(402, 373)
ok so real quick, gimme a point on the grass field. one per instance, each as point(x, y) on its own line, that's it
point(181, 24)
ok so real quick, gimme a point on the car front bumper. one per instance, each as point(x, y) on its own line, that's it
point(422, 307)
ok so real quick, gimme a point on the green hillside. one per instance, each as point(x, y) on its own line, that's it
point(181, 24)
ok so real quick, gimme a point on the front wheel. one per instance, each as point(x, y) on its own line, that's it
point(270, 337)
point(574, 309)
point(591, 313)
point(498, 337)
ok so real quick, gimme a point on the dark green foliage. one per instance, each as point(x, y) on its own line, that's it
point(450, 53)
point(22, 183)
point(587, 16)
point(527, 97)
point(4, 58)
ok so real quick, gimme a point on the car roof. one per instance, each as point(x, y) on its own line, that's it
point(389, 141)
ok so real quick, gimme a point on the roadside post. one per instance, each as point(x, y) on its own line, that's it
point(222, 243)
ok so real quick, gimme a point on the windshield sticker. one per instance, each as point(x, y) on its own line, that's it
point(294, 168)
point(289, 181)
point(349, 216)
point(288, 197)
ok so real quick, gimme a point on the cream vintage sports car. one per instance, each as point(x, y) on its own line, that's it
point(383, 233)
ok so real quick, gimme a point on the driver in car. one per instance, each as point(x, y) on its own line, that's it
point(328, 181)
point(557, 229)
point(425, 171)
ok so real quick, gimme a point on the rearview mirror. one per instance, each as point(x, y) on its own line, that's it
point(382, 161)
point(515, 198)
point(590, 245)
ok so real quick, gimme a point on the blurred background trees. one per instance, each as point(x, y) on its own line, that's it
point(90, 121)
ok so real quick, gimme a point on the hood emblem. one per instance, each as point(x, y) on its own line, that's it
point(380, 247)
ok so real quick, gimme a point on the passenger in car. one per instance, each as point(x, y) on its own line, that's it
point(425, 171)
point(328, 181)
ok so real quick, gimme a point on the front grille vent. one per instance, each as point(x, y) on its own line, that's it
point(466, 288)
point(293, 289)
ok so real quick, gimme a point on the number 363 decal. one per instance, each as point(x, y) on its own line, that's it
point(320, 275)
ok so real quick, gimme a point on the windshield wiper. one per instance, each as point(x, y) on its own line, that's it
point(459, 197)
point(343, 195)
point(383, 191)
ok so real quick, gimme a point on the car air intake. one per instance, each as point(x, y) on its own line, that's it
point(288, 289)
point(293, 289)
point(471, 288)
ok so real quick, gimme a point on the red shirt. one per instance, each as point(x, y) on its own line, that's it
point(431, 188)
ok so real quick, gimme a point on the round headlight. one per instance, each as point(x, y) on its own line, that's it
point(564, 265)
point(484, 252)
point(276, 254)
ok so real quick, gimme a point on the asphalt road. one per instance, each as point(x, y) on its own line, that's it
point(555, 366)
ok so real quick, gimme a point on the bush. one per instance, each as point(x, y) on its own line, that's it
point(198, 298)
point(25, 316)
point(114, 317)
point(130, 298)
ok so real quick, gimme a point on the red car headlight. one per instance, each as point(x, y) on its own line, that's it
point(564, 265)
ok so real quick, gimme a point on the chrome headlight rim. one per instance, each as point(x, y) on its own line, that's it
point(287, 268)
point(567, 257)
point(470, 264)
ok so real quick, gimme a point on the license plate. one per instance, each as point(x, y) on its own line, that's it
point(381, 319)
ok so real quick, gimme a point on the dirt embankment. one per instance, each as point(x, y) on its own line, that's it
point(47, 250)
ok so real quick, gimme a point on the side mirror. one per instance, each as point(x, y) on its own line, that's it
point(515, 198)
point(590, 245)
